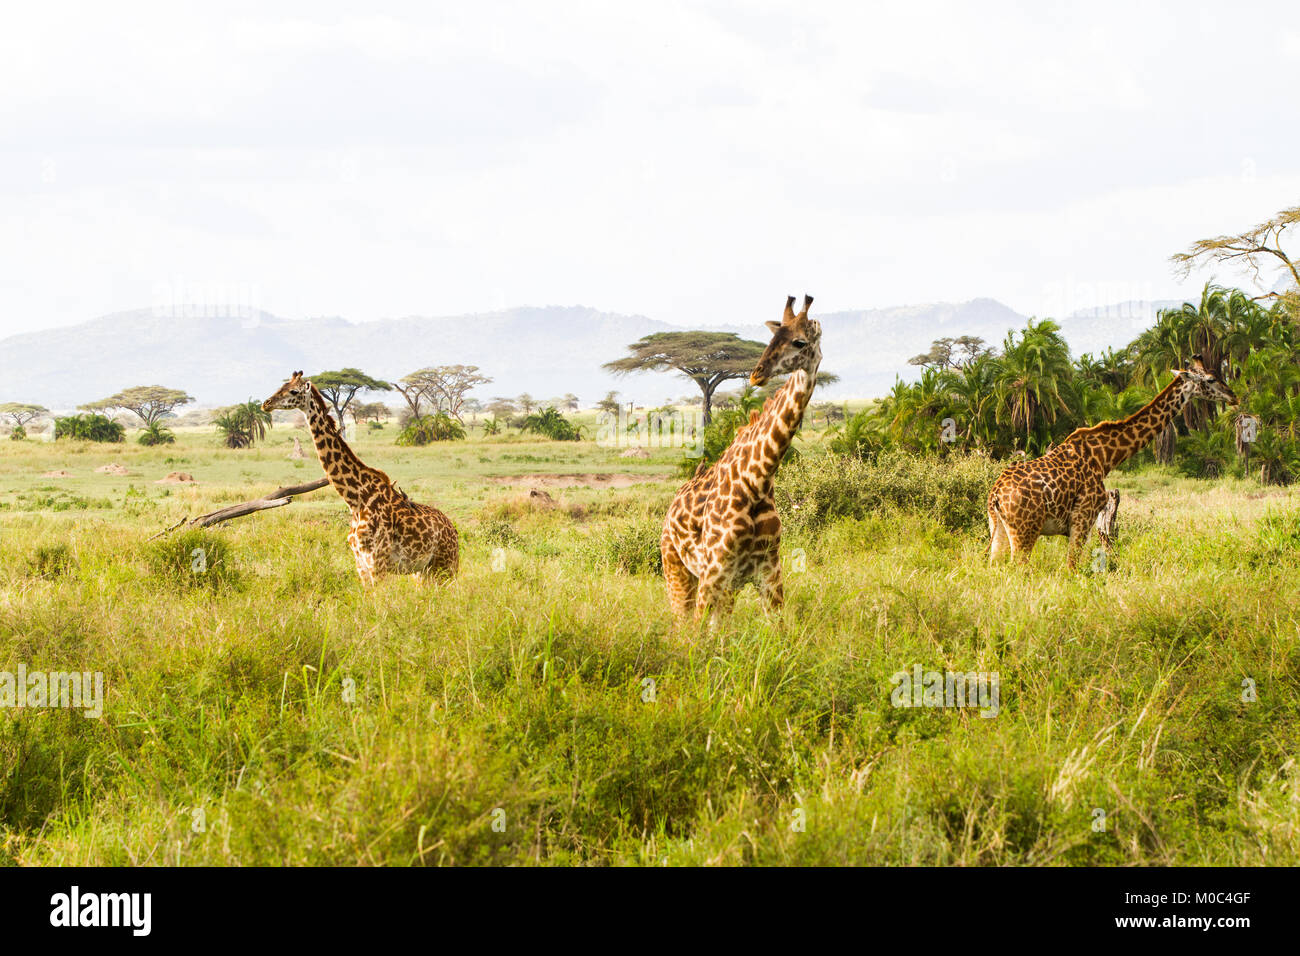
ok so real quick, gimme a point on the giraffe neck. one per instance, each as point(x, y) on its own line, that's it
point(761, 448)
point(357, 483)
point(1114, 442)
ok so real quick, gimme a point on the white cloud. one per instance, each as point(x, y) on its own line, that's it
point(689, 161)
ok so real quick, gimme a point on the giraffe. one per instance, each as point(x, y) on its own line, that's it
point(722, 529)
point(390, 533)
point(1062, 493)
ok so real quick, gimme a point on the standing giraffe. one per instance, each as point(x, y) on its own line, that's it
point(1062, 492)
point(722, 529)
point(390, 534)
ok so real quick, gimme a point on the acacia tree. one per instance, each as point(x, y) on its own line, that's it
point(341, 387)
point(706, 358)
point(151, 403)
point(446, 386)
point(20, 414)
point(1256, 247)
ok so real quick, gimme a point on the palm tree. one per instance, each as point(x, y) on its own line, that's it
point(1035, 387)
point(242, 425)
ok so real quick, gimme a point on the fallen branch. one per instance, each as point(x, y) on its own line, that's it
point(276, 499)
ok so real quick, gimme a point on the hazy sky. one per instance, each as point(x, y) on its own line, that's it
point(690, 161)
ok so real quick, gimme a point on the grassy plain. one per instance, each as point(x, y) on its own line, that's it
point(539, 709)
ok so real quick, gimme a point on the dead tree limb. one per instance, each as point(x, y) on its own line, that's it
point(276, 499)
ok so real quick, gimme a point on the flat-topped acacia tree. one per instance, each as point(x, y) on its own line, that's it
point(707, 358)
point(20, 413)
point(151, 403)
point(341, 387)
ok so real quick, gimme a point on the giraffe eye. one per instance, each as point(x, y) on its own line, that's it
point(800, 344)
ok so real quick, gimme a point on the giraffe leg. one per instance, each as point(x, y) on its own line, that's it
point(681, 584)
point(714, 599)
point(1082, 520)
point(1022, 543)
point(771, 585)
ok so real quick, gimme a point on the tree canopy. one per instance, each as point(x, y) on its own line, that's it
point(707, 358)
point(1256, 247)
point(21, 413)
point(150, 403)
point(444, 387)
point(341, 387)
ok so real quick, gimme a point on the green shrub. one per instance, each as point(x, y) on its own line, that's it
point(18, 434)
point(500, 533)
point(193, 559)
point(431, 428)
point(156, 434)
point(89, 427)
point(628, 547)
point(51, 561)
point(858, 437)
point(717, 437)
point(952, 489)
point(552, 424)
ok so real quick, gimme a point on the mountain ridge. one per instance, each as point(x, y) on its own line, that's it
point(544, 350)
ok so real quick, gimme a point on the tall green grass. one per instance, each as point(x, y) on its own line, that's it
point(540, 709)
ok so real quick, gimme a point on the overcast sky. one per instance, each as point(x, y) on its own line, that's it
point(689, 161)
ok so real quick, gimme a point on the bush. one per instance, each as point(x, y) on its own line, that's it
point(193, 559)
point(858, 437)
point(89, 427)
point(717, 438)
point(155, 434)
point(242, 425)
point(51, 561)
point(18, 434)
point(552, 424)
point(953, 489)
point(431, 428)
point(629, 547)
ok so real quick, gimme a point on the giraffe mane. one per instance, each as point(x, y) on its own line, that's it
point(1087, 431)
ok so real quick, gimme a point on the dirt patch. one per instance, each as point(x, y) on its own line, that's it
point(176, 478)
point(588, 480)
point(113, 469)
point(57, 474)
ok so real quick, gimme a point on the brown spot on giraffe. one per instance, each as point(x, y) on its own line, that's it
point(1062, 493)
point(722, 530)
point(390, 533)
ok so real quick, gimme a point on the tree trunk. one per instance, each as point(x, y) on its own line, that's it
point(1165, 444)
point(708, 402)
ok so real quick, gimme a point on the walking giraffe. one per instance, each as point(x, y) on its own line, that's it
point(390, 533)
point(722, 529)
point(1062, 493)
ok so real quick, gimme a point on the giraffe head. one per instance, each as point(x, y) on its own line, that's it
point(796, 344)
point(1205, 383)
point(295, 393)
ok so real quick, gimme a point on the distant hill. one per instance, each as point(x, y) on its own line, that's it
point(545, 351)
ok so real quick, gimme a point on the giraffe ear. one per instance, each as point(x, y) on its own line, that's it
point(1179, 371)
point(774, 327)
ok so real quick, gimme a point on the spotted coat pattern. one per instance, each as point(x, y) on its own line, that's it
point(1062, 493)
point(390, 533)
point(722, 530)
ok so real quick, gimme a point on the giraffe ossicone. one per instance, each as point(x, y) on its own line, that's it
point(1062, 493)
point(722, 530)
point(390, 533)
